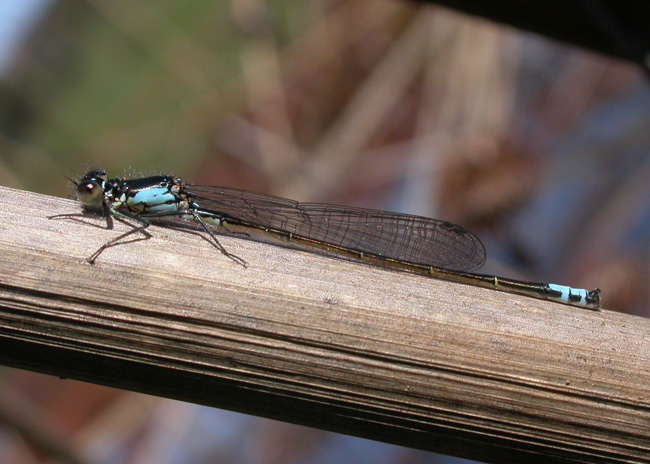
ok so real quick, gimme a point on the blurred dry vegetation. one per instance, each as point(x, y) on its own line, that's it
point(538, 148)
point(377, 103)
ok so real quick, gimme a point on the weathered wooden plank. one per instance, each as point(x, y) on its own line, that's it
point(323, 342)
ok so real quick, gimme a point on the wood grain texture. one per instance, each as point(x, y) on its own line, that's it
point(322, 342)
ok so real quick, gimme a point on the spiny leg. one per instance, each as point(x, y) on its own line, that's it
point(109, 220)
point(216, 243)
point(107, 214)
point(88, 213)
point(205, 227)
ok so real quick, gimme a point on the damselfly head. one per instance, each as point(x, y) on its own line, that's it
point(90, 189)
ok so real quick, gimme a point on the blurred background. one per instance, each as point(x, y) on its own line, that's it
point(539, 148)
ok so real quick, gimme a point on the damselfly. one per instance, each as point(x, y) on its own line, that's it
point(411, 243)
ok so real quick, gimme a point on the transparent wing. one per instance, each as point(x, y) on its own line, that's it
point(402, 237)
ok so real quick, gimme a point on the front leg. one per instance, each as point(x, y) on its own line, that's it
point(88, 212)
point(109, 221)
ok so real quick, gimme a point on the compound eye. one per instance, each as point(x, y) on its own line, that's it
point(90, 193)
